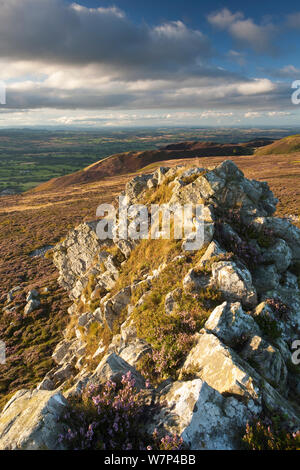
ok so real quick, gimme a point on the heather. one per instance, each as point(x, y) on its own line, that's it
point(270, 433)
point(112, 417)
point(171, 336)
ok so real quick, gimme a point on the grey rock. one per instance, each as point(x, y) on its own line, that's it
point(61, 351)
point(113, 367)
point(235, 282)
point(135, 187)
point(30, 421)
point(231, 324)
point(222, 368)
point(212, 251)
point(267, 360)
point(283, 229)
point(279, 254)
point(113, 307)
point(32, 305)
point(32, 294)
point(265, 278)
point(76, 254)
point(85, 318)
point(170, 301)
point(201, 416)
point(134, 352)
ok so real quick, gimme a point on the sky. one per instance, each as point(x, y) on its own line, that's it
point(104, 63)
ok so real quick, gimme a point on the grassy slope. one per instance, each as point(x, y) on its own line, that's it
point(287, 145)
point(31, 220)
point(125, 162)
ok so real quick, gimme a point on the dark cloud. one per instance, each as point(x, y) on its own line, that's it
point(53, 31)
point(100, 59)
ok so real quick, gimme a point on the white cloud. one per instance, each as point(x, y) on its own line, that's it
point(244, 30)
point(257, 114)
point(224, 19)
point(256, 87)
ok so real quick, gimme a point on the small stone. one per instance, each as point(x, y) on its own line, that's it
point(32, 294)
point(31, 306)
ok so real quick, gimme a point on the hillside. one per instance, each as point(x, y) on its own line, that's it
point(287, 145)
point(129, 162)
point(30, 221)
point(190, 348)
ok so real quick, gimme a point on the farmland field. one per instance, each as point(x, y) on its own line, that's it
point(30, 157)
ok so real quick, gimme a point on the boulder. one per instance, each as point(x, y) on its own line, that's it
point(134, 352)
point(204, 187)
point(136, 186)
point(160, 174)
point(228, 171)
point(113, 367)
point(30, 421)
point(170, 301)
point(212, 251)
point(128, 331)
point(265, 278)
point(76, 254)
point(204, 418)
point(113, 307)
point(222, 368)
point(267, 360)
point(85, 318)
point(61, 350)
point(279, 254)
point(231, 324)
point(235, 282)
point(283, 229)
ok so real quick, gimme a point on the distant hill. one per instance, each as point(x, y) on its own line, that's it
point(127, 162)
point(286, 145)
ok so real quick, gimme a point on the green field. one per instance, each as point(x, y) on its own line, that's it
point(29, 157)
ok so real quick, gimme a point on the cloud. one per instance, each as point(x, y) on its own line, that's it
point(70, 57)
point(224, 19)
point(63, 33)
point(244, 30)
point(256, 87)
point(272, 114)
point(293, 20)
point(88, 88)
point(288, 71)
point(237, 57)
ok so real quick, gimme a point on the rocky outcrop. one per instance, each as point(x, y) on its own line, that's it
point(238, 364)
point(30, 421)
point(235, 282)
point(201, 415)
